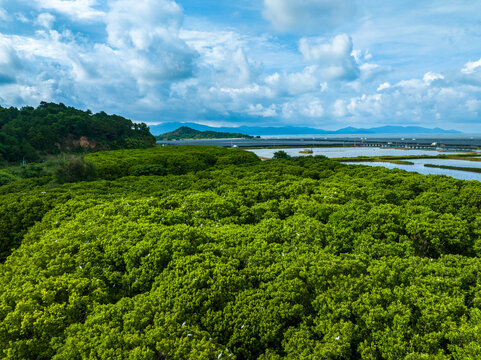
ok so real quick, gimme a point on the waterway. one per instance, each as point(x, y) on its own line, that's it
point(420, 168)
point(337, 152)
point(365, 151)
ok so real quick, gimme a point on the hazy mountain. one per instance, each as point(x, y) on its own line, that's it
point(293, 130)
point(395, 130)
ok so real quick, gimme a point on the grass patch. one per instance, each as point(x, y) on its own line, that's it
point(398, 162)
point(470, 169)
point(467, 156)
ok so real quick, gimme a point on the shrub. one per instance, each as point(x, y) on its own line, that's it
point(281, 154)
point(76, 170)
point(6, 178)
point(147, 170)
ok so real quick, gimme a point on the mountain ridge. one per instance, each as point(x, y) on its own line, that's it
point(296, 130)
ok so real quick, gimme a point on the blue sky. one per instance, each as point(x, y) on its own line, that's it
point(320, 63)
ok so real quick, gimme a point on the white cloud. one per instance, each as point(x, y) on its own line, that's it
point(223, 57)
point(369, 71)
point(57, 68)
point(304, 107)
point(311, 16)
point(314, 109)
point(146, 63)
point(384, 86)
point(260, 110)
point(366, 105)
point(9, 61)
point(145, 34)
point(471, 67)
point(359, 55)
point(139, 23)
point(140, 61)
point(45, 20)
point(22, 18)
point(83, 10)
point(430, 77)
point(206, 41)
point(334, 57)
point(233, 68)
point(411, 84)
point(339, 108)
point(473, 105)
point(3, 15)
point(309, 80)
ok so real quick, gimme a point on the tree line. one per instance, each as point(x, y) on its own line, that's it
point(29, 134)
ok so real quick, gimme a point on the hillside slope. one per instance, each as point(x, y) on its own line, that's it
point(28, 133)
point(185, 132)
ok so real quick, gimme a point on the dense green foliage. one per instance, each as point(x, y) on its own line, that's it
point(75, 170)
point(175, 160)
point(185, 132)
point(15, 173)
point(298, 259)
point(28, 133)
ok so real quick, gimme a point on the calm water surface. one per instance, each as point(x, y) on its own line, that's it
point(420, 168)
point(335, 152)
point(417, 167)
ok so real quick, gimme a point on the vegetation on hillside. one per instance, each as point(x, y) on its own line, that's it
point(296, 258)
point(29, 133)
point(185, 132)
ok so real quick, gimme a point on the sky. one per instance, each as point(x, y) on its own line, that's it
point(320, 63)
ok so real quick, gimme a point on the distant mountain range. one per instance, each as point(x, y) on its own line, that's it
point(294, 130)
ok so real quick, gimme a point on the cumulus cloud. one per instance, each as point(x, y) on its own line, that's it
point(134, 68)
point(473, 105)
point(298, 109)
point(58, 69)
point(9, 62)
point(430, 77)
point(134, 57)
point(145, 33)
point(339, 109)
point(366, 105)
point(314, 109)
point(370, 71)
point(471, 67)
point(233, 68)
point(334, 57)
point(260, 110)
point(45, 20)
point(307, 16)
point(411, 84)
point(226, 80)
point(83, 10)
point(223, 58)
point(384, 86)
point(295, 83)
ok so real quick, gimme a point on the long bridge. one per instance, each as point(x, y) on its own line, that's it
point(431, 143)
